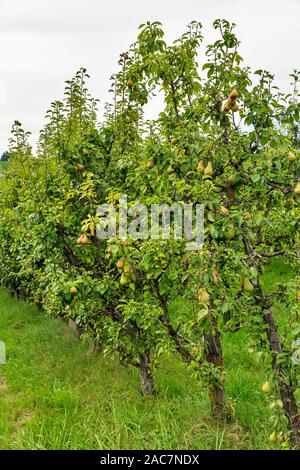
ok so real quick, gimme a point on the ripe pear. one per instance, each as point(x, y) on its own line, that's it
point(233, 95)
point(232, 180)
point(79, 240)
point(130, 82)
point(80, 167)
point(248, 287)
point(201, 167)
point(109, 250)
point(84, 240)
point(170, 170)
point(123, 279)
point(150, 164)
point(203, 296)
point(73, 290)
point(230, 233)
point(227, 106)
point(297, 189)
point(291, 157)
point(273, 437)
point(208, 170)
point(224, 210)
point(121, 263)
point(235, 107)
point(266, 388)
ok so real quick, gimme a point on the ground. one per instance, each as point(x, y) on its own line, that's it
point(55, 394)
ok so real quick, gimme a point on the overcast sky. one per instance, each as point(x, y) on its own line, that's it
point(44, 42)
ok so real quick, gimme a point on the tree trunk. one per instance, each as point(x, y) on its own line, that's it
point(286, 390)
point(146, 376)
point(214, 356)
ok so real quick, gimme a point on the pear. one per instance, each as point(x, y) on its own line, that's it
point(227, 106)
point(200, 167)
point(232, 180)
point(85, 152)
point(297, 189)
point(150, 164)
point(170, 170)
point(203, 296)
point(247, 217)
point(247, 286)
point(123, 280)
point(127, 269)
point(208, 170)
point(273, 437)
point(80, 167)
point(266, 388)
point(74, 157)
point(224, 210)
point(73, 290)
point(291, 157)
point(233, 95)
point(235, 107)
point(84, 240)
point(109, 250)
point(79, 240)
point(121, 263)
point(230, 233)
point(130, 82)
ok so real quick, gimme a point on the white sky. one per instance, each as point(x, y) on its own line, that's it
point(44, 42)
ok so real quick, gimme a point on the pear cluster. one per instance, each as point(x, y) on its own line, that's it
point(231, 103)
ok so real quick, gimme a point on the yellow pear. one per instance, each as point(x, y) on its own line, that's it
point(266, 388)
point(227, 106)
point(291, 157)
point(123, 280)
point(73, 290)
point(273, 437)
point(203, 296)
point(170, 170)
point(248, 287)
point(150, 164)
point(208, 170)
point(224, 210)
point(200, 167)
point(232, 180)
point(297, 189)
point(233, 95)
point(120, 264)
point(230, 233)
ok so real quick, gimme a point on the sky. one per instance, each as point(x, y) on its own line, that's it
point(44, 42)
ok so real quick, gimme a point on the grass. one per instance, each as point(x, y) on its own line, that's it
point(55, 394)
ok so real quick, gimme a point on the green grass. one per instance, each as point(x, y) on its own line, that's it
point(55, 394)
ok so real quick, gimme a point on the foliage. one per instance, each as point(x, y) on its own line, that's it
point(225, 138)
